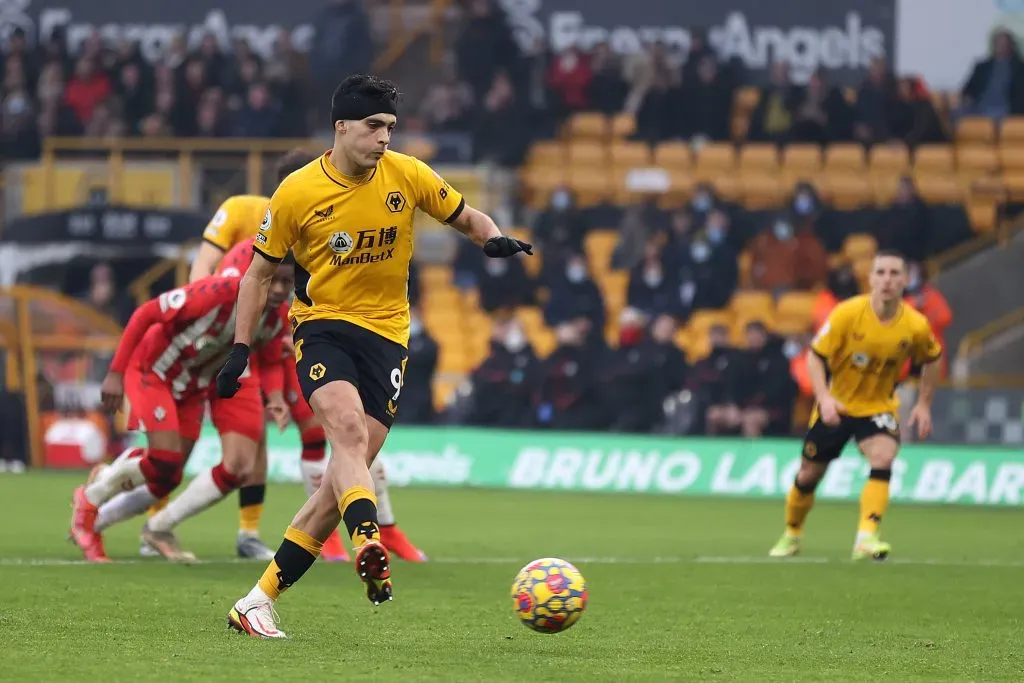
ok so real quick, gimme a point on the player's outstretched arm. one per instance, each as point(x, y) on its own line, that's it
point(479, 227)
point(827, 404)
point(252, 297)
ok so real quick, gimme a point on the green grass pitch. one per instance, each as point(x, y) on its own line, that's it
point(680, 589)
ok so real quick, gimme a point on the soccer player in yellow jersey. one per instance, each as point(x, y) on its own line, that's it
point(347, 218)
point(854, 363)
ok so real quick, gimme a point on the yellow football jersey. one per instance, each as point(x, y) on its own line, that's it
point(864, 355)
point(352, 238)
point(235, 220)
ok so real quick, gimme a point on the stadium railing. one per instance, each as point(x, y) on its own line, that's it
point(401, 37)
point(57, 341)
point(974, 345)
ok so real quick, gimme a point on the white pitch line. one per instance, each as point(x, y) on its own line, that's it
point(581, 561)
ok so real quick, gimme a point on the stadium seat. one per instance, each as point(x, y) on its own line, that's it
point(760, 190)
point(630, 154)
point(938, 189)
point(673, 155)
point(889, 159)
point(541, 181)
point(715, 159)
point(1011, 156)
point(934, 159)
point(1011, 132)
point(846, 190)
point(598, 245)
point(859, 245)
point(792, 325)
point(547, 153)
point(589, 125)
point(975, 160)
point(982, 215)
point(746, 99)
point(795, 305)
point(623, 125)
point(1014, 184)
point(751, 300)
point(884, 187)
point(861, 270)
point(702, 321)
point(975, 130)
point(726, 184)
point(845, 156)
point(443, 390)
point(587, 153)
point(433, 276)
point(801, 159)
point(758, 157)
point(591, 184)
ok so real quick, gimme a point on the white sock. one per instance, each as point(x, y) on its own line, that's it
point(200, 494)
point(312, 473)
point(863, 536)
point(385, 515)
point(124, 506)
point(122, 475)
point(257, 596)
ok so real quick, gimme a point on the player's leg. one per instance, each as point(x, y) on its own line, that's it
point(313, 466)
point(879, 439)
point(251, 496)
point(822, 444)
point(393, 538)
point(150, 408)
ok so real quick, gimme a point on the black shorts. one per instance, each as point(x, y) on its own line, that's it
point(824, 444)
point(332, 350)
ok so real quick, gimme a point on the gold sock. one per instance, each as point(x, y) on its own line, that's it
point(296, 555)
point(874, 500)
point(158, 506)
point(798, 504)
point(249, 518)
point(358, 506)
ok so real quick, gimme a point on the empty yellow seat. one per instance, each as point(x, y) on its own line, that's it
point(673, 155)
point(847, 190)
point(934, 159)
point(751, 301)
point(859, 246)
point(715, 158)
point(795, 305)
point(759, 156)
point(1011, 131)
point(588, 124)
point(630, 154)
point(587, 153)
point(975, 130)
point(889, 159)
point(976, 159)
point(844, 156)
point(938, 189)
point(623, 125)
point(982, 215)
point(801, 159)
point(547, 153)
point(598, 246)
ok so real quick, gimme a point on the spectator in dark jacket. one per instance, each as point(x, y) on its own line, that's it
point(568, 394)
point(715, 380)
point(996, 86)
point(573, 295)
point(418, 381)
point(767, 393)
point(504, 383)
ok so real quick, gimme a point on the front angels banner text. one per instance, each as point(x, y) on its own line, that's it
point(762, 468)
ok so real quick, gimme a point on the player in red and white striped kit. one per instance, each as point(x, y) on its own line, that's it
point(314, 442)
point(166, 361)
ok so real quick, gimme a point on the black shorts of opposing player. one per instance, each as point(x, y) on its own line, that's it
point(824, 443)
point(336, 350)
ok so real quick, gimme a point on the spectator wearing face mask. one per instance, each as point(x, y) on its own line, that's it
point(573, 295)
point(840, 286)
point(703, 201)
point(504, 283)
point(805, 208)
point(560, 228)
point(651, 291)
point(767, 393)
point(714, 381)
point(785, 259)
point(418, 380)
point(905, 226)
point(504, 383)
point(931, 302)
point(640, 224)
point(641, 372)
point(568, 393)
point(708, 275)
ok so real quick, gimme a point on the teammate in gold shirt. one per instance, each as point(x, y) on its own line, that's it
point(347, 219)
point(854, 364)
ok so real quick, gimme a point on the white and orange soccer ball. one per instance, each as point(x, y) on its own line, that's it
point(549, 595)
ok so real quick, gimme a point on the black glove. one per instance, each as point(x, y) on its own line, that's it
point(504, 246)
point(227, 379)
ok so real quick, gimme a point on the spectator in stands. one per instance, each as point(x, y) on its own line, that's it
point(504, 283)
point(103, 295)
point(18, 132)
point(805, 207)
point(259, 117)
point(485, 46)
point(795, 350)
point(657, 112)
point(680, 229)
point(706, 104)
point(875, 97)
point(912, 116)
point(641, 222)
point(19, 57)
point(930, 301)
point(568, 393)
point(87, 88)
point(652, 290)
point(714, 381)
point(996, 86)
point(607, 88)
point(501, 135)
point(209, 122)
point(288, 76)
point(708, 274)
point(820, 114)
point(905, 226)
point(448, 105)
point(773, 115)
point(574, 295)
point(569, 77)
point(417, 383)
point(504, 384)
point(560, 228)
point(767, 393)
point(784, 258)
point(641, 372)
point(840, 286)
point(105, 122)
point(136, 96)
point(342, 46)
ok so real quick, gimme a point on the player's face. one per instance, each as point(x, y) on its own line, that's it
point(888, 277)
point(366, 141)
point(281, 286)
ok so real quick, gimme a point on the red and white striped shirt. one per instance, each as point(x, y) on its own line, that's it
point(184, 336)
point(237, 259)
